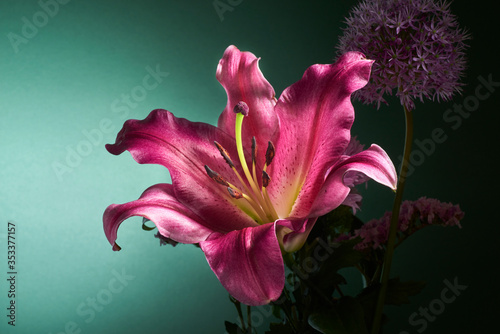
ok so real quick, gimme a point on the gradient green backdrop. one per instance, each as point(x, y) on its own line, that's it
point(63, 81)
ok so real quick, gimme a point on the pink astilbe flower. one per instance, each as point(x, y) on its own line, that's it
point(417, 46)
point(254, 186)
point(414, 215)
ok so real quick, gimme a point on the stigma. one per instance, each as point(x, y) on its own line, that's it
point(248, 188)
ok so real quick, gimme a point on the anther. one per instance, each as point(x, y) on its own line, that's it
point(254, 149)
point(216, 177)
point(269, 153)
point(224, 154)
point(241, 108)
point(234, 193)
point(265, 179)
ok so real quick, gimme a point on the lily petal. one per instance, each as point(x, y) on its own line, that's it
point(158, 204)
point(248, 263)
point(185, 147)
point(373, 162)
point(239, 74)
point(300, 229)
point(315, 116)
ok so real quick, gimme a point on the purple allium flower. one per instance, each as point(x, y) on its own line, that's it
point(413, 216)
point(417, 46)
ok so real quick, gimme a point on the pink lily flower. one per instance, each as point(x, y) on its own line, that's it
point(253, 186)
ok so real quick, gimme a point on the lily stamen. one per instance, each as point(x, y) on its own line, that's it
point(254, 159)
point(270, 152)
point(224, 154)
point(265, 182)
point(236, 193)
point(229, 161)
point(265, 179)
point(216, 177)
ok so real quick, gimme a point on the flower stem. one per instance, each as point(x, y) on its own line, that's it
point(237, 304)
point(394, 223)
point(249, 318)
point(288, 313)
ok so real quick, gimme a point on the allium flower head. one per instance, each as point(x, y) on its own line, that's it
point(417, 46)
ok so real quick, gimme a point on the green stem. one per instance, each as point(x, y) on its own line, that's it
point(237, 304)
point(249, 318)
point(288, 315)
point(394, 223)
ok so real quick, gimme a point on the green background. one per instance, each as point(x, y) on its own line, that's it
point(73, 71)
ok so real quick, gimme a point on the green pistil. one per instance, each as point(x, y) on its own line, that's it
point(259, 197)
point(241, 156)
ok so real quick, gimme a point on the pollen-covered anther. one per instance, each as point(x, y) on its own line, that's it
point(265, 179)
point(254, 149)
point(224, 154)
point(270, 153)
point(241, 108)
point(216, 176)
point(234, 194)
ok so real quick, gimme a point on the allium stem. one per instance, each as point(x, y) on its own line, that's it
point(394, 223)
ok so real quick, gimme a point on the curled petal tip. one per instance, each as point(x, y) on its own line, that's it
point(116, 248)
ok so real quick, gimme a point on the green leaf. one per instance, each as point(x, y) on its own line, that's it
point(327, 322)
point(232, 328)
point(352, 314)
point(279, 328)
point(399, 292)
point(327, 283)
point(276, 310)
point(327, 277)
point(340, 220)
point(343, 256)
point(347, 317)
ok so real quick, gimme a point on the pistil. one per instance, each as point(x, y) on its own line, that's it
point(257, 198)
point(241, 110)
